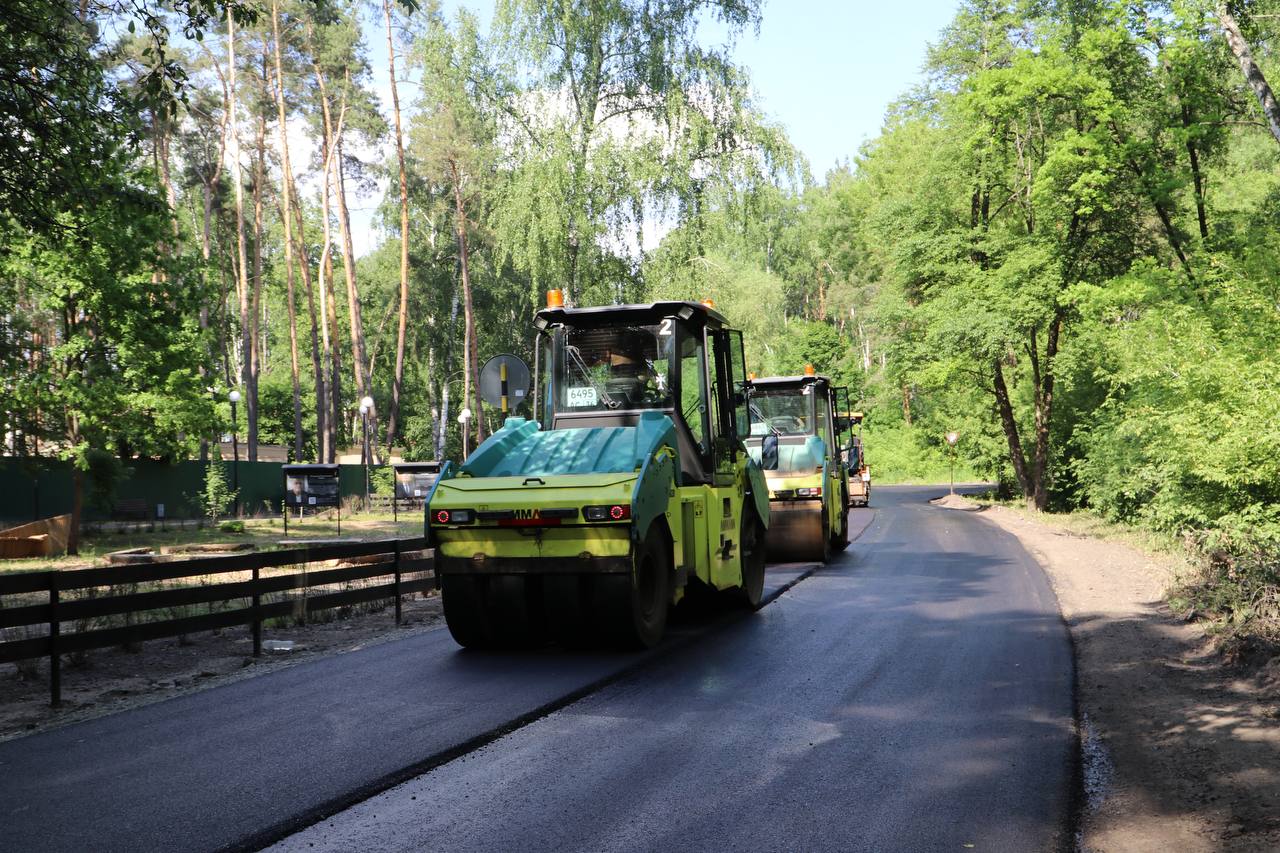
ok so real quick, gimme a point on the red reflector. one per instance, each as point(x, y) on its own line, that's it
point(443, 516)
point(529, 522)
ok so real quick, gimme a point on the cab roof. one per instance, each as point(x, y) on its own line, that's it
point(784, 382)
point(633, 315)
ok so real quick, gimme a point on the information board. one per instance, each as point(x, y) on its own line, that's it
point(415, 479)
point(310, 485)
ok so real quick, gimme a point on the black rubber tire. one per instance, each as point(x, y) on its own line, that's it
point(840, 541)
point(631, 610)
point(751, 549)
point(464, 610)
point(822, 547)
point(514, 611)
point(566, 603)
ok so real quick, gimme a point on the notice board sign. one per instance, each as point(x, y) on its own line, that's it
point(415, 479)
point(310, 485)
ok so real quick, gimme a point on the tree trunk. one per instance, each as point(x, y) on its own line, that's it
point(442, 422)
point(259, 328)
point(323, 443)
point(359, 356)
point(329, 296)
point(286, 213)
point(327, 301)
point(208, 181)
point(1197, 179)
point(397, 378)
point(906, 404)
point(242, 256)
point(1044, 382)
point(1010, 425)
point(1252, 73)
point(77, 511)
point(471, 382)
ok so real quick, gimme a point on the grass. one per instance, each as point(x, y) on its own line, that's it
point(265, 533)
point(1083, 522)
point(1236, 598)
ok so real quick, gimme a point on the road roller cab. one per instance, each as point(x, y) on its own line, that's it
point(629, 483)
point(808, 489)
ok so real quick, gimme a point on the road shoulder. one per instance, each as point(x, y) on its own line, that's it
point(110, 681)
point(1182, 751)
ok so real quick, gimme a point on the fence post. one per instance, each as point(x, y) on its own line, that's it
point(257, 616)
point(55, 659)
point(397, 581)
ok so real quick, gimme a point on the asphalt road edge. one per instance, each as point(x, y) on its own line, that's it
point(283, 829)
point(1072, 840)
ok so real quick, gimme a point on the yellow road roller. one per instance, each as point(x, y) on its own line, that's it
point(808, 488)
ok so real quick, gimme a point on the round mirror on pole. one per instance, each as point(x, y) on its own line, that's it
point(504, 382)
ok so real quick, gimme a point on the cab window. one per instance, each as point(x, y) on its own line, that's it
point(692, 392)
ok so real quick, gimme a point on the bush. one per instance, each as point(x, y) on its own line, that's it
point(900, 454)
point(234, 526)
point(217, 494)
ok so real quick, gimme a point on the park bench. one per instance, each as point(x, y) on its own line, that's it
point(134, 508)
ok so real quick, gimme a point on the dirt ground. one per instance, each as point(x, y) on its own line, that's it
point(112, 680)
point(1181, 747)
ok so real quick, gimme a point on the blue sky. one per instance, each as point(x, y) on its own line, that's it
point(826, 70)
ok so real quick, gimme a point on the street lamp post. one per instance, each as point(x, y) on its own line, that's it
point(952, 438)
point(234, 397)
point(366, 405)
point(464, 418)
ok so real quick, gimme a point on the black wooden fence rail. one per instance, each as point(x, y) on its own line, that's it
point(390, 558)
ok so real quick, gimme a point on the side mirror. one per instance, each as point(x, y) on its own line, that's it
point(769, 452)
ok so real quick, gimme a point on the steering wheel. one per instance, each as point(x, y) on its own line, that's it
point(786, 423)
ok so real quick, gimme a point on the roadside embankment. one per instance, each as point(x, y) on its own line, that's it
point(1182, 747)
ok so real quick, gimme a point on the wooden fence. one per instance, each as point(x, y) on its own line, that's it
point(97, 594)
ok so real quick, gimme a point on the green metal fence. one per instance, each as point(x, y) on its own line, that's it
point(31, 490)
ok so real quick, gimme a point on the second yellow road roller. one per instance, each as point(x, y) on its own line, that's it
point(808, 490)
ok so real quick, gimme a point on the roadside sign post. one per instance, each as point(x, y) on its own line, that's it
point(366, 405)
point(234, 397)
point(952, 438)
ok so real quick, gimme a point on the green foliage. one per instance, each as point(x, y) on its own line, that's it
point(218, 495)
point(1063, 246)
point(1189, 435)
point(382, 480)
point(615, 113)
point(235, 526)
point(105, 473)
point(900, 454)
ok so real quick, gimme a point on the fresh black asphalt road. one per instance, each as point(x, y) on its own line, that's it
point(915, 694)
point(249, 761)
